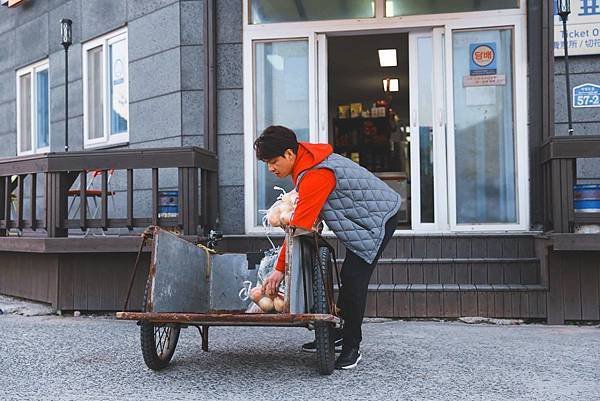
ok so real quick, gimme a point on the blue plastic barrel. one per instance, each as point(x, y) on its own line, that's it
point(586, 198)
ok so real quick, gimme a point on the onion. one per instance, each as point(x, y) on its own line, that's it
point(290, 198)
point(285, 218)
point(256, 294)
point(274, 216)
point(279, 304)
point(266, 304)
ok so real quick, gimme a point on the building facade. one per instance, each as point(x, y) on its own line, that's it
point(459, 119)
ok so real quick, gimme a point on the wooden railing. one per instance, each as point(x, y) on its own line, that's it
point(558, 156)
point(196, 185)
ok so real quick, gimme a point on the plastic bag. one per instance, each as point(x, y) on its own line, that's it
point(281, 212)
point(267, 265)
point(254, 308)
point(278, 215)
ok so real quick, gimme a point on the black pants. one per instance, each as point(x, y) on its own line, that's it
point(355, 277)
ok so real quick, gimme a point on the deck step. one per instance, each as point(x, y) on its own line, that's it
point(452, 287)
point(507, 301)
point(400, 261)
point(457, 271)
point(456, 287)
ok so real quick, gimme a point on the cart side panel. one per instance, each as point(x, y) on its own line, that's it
point(180, 276)
point(228, 273)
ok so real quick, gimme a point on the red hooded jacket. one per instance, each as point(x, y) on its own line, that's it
point(314, 189)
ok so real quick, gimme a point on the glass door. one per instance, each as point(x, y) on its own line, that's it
point(428, 130)
point(281, 90)
point(487, 160)
point(281, 98)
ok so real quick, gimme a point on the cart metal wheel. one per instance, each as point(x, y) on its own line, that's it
point(158, 340)
point(324, 331)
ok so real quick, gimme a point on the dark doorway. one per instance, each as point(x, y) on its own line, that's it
point(367, 123)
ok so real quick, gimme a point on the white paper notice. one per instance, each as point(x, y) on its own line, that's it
point(484, 80)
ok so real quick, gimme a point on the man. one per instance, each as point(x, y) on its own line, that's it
point(357, 206)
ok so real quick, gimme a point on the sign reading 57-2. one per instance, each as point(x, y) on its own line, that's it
point(586, 95)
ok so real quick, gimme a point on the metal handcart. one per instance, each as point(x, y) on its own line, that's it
point(191, 285)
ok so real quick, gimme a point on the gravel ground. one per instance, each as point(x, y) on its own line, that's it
point(99, 358)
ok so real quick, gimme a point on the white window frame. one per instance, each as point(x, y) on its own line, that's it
point(32, 69)
point(439, 133)
point(314, 30)
point(107, 139)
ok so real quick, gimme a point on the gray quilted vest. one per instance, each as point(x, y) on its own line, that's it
point(358, 207)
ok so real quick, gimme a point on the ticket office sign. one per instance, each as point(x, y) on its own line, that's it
point(583, 29)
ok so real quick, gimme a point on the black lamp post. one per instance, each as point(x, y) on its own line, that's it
point(564, 9)
point(66, 40)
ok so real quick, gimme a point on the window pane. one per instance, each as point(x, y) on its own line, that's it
point(42, 121)
point(94, 93)
point(395, 8)
point(25, 112)
point(483, 124)
point(267, 11)
point(281, 76)
point(119, 114)
point(425, 76)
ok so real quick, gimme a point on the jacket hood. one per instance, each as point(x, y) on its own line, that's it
point(309, 155)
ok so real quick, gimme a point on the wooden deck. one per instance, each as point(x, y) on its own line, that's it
point(444, 276)
point(64, 178)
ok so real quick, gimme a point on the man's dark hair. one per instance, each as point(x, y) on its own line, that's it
point(274, 141)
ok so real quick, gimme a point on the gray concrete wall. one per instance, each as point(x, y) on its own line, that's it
point(165, 53)
point(586, 121)
point(165, 39)
point(583, 69)
point(230, 129)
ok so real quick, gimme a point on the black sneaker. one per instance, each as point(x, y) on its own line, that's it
point(312, 346)
point(348, 359)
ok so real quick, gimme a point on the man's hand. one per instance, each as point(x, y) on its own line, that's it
point(271, 283)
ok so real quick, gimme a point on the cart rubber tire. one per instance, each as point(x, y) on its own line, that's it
point(324, 331)
point(155, 336)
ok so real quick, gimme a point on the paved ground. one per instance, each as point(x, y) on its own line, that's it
point(94, 358)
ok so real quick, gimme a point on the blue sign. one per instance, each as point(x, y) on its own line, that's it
point(483, 58)
point(586, 95)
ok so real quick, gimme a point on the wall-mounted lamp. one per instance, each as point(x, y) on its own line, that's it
point(387, 58)
point(66, 35)
point(391, 85)
point(66, 32)
point(564, 9)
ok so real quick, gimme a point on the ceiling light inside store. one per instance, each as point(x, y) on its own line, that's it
point(394, 86)
point(387, 58)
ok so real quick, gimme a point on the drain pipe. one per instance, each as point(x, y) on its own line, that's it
point(210, 76)
point(210, 108)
